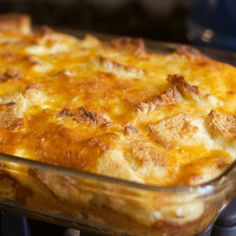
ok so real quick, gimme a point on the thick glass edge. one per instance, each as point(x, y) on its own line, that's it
point(160, 46)
point(111, 180)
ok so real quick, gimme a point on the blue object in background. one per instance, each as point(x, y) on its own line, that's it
point(213, 23)
point(14, 226)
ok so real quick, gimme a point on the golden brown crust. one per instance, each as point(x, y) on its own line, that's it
point(186, 89)
point(88, 103)
point(44, 35)
point(191, 53)
point(9, 75)
point(129, 129)
point(117, 68)
point(18, 23)
point(131, 45)
point(9, 116)
point(170, 97)
point(223, 125)
point(147, 154)
point(174, 131)
point(84, 116)
point(73, 103)
point(11, 111)
point(179, 89)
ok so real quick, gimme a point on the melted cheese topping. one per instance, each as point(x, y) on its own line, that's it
point(112, 108)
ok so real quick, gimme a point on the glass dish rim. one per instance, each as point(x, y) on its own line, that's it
point(120, 182)
point(152, 45)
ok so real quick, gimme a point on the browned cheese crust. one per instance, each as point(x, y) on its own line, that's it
point(113, 108)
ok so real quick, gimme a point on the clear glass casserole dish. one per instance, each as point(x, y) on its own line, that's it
point(113, 206)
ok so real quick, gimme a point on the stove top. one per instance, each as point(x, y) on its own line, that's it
point(225, 225)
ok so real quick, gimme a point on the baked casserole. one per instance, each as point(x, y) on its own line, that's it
point(115, 109)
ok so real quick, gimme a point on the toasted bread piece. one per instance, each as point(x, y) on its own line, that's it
point(17, 23)
point(174, 131)
point(186, 89)
point(223, 125)
point(11, 111)
point(130, 45)
point(170, 97)
point(191, 53)
point(118, 69)
point(9, 116)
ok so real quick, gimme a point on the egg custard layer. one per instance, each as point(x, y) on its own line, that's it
point(114, 108)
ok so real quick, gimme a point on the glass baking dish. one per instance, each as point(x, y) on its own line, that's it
point(113, 206)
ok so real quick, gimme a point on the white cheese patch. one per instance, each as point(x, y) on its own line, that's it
point(202, 134)
point(8, 40)
point(44, 50)
point(214, 101)
point(42, 67)
point(37, 97)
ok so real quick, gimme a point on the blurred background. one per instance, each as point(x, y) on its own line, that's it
point(207, 22)
point(152, 19)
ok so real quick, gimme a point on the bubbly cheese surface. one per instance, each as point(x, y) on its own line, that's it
point(115, 109)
